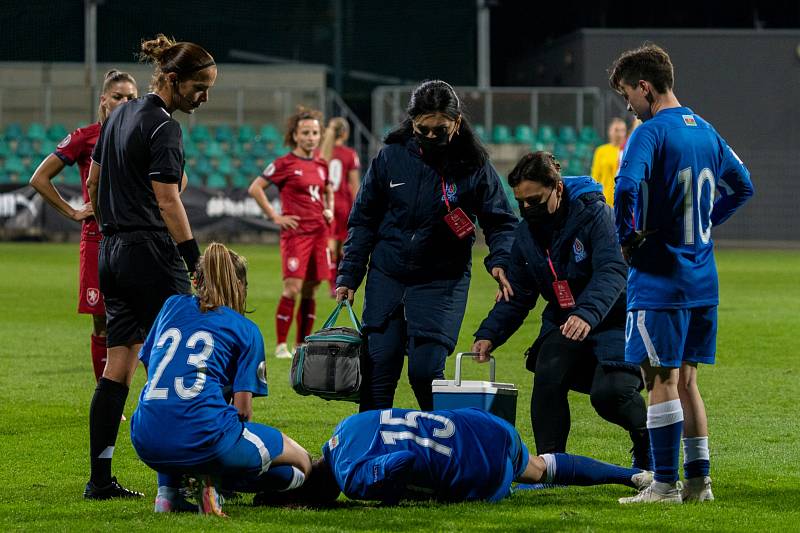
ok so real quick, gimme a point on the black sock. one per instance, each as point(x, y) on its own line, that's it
point(104, 417)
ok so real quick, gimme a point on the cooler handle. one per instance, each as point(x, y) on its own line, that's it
point(473, 355)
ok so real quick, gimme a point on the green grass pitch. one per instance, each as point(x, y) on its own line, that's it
point(46, 385)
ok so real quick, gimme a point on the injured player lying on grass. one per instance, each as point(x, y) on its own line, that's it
point(460, 455)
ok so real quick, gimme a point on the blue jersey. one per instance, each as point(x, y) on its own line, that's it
point(182, 417)
point(678, 178)
point(463, 454)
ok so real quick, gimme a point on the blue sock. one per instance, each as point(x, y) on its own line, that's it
point(169, 480)
point(696, 460)
point(568, 469)
point(665, 424)
point(276, 479)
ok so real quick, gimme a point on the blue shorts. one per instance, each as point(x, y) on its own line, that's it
point(252, 454)
point(670, 337)
point(516, 461)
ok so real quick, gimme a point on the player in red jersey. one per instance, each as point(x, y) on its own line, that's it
point(343, 167)
point(118, 88)
point(306, 214)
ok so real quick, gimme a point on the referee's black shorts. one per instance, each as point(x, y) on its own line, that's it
point(138, 271)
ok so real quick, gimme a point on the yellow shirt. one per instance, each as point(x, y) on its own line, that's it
point(605, 165)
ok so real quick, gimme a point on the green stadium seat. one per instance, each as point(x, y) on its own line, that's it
point(246, 133)
point(546, 134)
point(501, 134)
point(202, 167)
point(5, 150)
point(223, 133)
point(216, 181)
point(14, 165)
point(213, 149)
point(588, 135)
point(241, 180)
point(269, 132)
point(480, 131)
point(583, 150)
point(25, 149)
point(57, 132)
point(37, 132)
point(200, 133)
point(190, 149)
point(71, 175)
point(13, 131)
point(566, 134)
point(225, 165)
point(524, 134)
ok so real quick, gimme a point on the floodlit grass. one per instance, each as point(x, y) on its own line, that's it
point(46, 384)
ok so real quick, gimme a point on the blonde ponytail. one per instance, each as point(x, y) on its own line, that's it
point(221, 279)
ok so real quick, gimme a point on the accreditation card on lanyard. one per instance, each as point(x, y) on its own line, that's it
point(457, 219)
point(561, 288)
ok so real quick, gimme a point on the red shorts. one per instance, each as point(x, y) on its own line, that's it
point(305, 256)
point(339, 226)
point(90, 300)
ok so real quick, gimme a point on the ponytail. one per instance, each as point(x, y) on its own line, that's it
point(221, 279)
point(184, 58)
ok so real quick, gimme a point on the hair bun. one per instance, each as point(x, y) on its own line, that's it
point(156, 47)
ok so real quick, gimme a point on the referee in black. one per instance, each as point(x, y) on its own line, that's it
point(134, 184)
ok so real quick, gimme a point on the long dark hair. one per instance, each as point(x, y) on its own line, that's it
point(465, 153)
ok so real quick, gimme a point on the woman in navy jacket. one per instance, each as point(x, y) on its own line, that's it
point(413, 224)
point(565, 250)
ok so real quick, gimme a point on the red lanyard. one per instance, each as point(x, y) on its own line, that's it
point(552, 268)
point(444, 195)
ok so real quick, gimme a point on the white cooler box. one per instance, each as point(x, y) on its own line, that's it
point(500, 399)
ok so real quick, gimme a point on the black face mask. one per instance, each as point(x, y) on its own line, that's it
point(537, 214)
point(433, 147)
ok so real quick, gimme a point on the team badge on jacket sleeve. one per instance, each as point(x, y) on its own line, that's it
point(92, 296)
point(578, 250)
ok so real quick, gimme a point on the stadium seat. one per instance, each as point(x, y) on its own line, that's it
point(57, 132)
point(200, 133)
point(12, 131)
point(566, 134)
point(546, 134)
point(14, 165)
point(524, 134)
point(241, 180)
point(5, 150)
point(37, 132)
point(269, 132)
point(71, 175)
point(216, 181)
point(213, 149)
point(223, 133)
point(225, 164)
point(588, 135)
point(480, 131)
point(25, 149)
point(246, 133)
point(501, 134)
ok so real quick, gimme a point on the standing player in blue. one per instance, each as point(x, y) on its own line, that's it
point(447, 455)
point(678, 178)
point(198, 347)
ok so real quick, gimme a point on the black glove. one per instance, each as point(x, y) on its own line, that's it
point(190, 252)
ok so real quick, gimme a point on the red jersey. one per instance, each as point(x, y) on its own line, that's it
point(77, 148)
point(343, 161)
point(301, 183)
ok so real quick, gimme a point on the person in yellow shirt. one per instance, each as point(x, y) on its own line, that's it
point(605, 162)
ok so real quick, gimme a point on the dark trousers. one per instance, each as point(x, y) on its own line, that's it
point(563, 365)
point(382, 368)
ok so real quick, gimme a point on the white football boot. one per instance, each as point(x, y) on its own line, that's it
point(642, 480)
point(697, 489)
point(282, 351)
point(657, 492)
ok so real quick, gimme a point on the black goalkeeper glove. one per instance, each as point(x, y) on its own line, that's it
point(190, 252)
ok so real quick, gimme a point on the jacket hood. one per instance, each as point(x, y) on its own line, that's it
point(580, 185)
